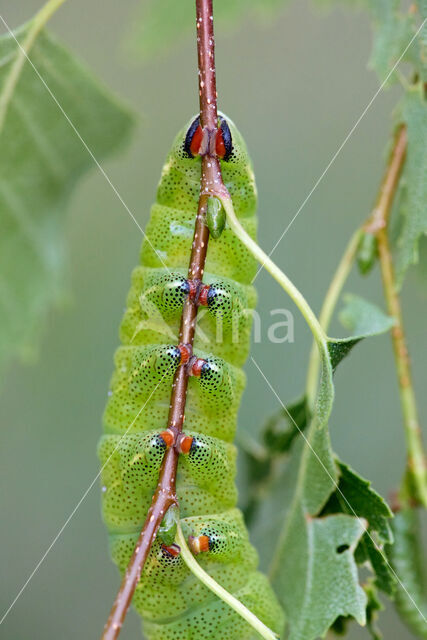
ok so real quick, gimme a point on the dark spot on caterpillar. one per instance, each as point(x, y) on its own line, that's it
point(211, 374)
point(224, 144)
point(342, 548)
point(191, 138)
point(173, 355)
point(175, 291)
point(219, 299)
point(185, 287)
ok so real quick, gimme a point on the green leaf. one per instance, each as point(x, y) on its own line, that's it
point(272, 501)
point(324, 581)
point(307, 547)
point(302, 550)
point(268, 476)
point(40, 162)
point(393, 28)
point(365, 502)
point(338, 349)
point(355, 496)
point(413, 207)
point(363, 319)
point(160, 24)
point(393, 31)
point(341, 624)
point(368, 510)
point(384, 576)
point(284, 426)
point(372, 609)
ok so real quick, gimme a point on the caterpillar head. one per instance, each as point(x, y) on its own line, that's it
point(229, 144)
point(195, 143)
point(179, 186)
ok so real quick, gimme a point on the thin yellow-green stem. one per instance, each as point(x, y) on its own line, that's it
point(334, 291)
point(378, 224)
point(36, 24)
point(416, 463)
point(216, 588)
point(277, 273)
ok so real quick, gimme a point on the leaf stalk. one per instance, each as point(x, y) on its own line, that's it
point(293, 292)
point(330, 301)
point(415, 482)
point(222, 593)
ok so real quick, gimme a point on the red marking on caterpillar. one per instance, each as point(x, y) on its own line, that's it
point(198, 292)
point(196, 141)
point(193, 289)
point(199, 142)
point(196, 367)
point(220, 145)
point(168, 437)
point(223, 141)
point(186, 351)
point(173, 550)
point(203, 295)
point(199, 544)
point(184, 443)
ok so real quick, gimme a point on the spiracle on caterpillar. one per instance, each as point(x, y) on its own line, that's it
point(145, 366)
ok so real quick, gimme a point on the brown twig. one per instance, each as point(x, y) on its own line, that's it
point(378, 225)
point(380, 215)
point(210, 183)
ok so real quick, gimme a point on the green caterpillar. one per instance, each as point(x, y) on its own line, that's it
point(174, 605)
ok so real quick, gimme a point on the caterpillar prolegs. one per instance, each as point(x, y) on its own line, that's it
point(174, 605)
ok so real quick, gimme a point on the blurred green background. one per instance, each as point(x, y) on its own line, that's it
point(295, 87)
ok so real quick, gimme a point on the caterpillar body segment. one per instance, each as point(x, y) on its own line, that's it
point(180, 181)
point(143, 378)
point(173, 603)
point(129, 478)
point(171, 233)
point(154, 308)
